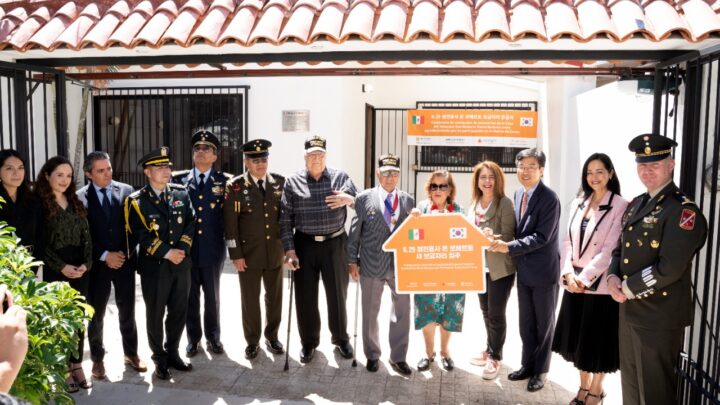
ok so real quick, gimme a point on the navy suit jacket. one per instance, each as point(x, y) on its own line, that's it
point(535, 248)
point(107, 233)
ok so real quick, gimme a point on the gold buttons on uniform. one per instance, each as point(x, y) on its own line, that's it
point(200, 232)
point(200, 197)
point(265, 204)
point(625, 277)
point(626, 261)
point(267, 226)
point(266, 215)
point(199, 208)
point(664, 293)
point(172, 242)
point(627, 244)
point(199, 219)
point(171, 231)
point(630, 228)
point(267, 237)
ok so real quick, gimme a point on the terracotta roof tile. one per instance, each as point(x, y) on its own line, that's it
point(51, 24)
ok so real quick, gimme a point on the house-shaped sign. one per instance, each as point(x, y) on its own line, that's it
point(438, 253)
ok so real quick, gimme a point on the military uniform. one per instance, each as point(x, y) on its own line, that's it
point(660, 236)
point(208, 251)
point(159, 225)
point(252, 232)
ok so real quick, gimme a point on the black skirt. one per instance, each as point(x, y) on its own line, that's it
point(586, 333)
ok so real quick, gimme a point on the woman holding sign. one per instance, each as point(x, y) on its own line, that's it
point(586, 331)
point(492, 212)
point(445, 310)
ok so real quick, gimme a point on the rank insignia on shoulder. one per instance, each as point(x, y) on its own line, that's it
point(687, 219)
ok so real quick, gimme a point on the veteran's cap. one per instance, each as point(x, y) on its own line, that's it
point(205, 137)
point(389, 162)
point(156, 157)
point(315, 143)
point(256, 148)
point(651, 147)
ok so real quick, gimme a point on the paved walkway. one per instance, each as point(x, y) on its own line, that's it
point(230, 379)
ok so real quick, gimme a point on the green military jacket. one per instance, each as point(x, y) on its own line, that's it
point(654, 258)
point(158, 226)
point(252, 227)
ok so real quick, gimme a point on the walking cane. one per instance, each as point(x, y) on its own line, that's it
point(287, 345)
point(357, 294)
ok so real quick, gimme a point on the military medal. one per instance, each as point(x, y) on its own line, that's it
point(655, 244)
point(212, 205)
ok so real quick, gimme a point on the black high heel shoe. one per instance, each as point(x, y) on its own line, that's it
point(601, 396)
point(576, 401)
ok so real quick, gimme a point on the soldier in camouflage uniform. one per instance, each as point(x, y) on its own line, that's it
point(650, 275)
point(161, 219)
point(252, 232)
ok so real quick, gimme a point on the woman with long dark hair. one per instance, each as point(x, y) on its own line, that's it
point(20, 209)
point(586, 333)
point(67, 249)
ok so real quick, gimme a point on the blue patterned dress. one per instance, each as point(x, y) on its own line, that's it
point(444, 309)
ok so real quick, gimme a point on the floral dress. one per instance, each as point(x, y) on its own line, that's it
point(444, 309)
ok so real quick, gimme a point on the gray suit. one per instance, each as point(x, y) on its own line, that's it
point(367, 234)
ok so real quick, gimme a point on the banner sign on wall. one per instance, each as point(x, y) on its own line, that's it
point(438, 253)
point(501, 128)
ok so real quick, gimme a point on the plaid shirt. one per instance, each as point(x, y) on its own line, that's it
point(304, 208)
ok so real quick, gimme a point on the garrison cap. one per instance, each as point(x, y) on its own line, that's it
point(651, 147)
point(315, 143)
point(389, 162)
point(204, 137)
point(256, 148)
point(156, 157)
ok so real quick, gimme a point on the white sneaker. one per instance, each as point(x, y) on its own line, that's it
point(491, 370)
point(480, 360)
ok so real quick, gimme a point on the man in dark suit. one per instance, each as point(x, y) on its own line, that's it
point(650, 275)
point(252, 233)
point(162, 220)
point(535, 250)
point(378, 211)
point(113, 262)
point(206, 187)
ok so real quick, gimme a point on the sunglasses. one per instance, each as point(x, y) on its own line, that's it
point(441, 187)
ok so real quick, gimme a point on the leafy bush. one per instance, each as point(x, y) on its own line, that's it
point(55, 311)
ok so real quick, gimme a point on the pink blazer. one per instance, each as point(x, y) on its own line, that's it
point(600, 239)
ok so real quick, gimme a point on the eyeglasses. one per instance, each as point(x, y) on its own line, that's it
point(201, 148)
point(258, 161)
point(531, 168)
point(441, 187)
point(390, 173)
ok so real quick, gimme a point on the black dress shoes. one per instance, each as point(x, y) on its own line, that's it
point(191, 349)
point(447, 363)
point(536, 383)
point(372, 365)
point(518, 375)
point(424, 363)
point(178, 364)
point(162, 372)
point(251, 351)
point(344, 349)
point(306, 354)
point(274, 346)
point(216, 347)
point(401, 368)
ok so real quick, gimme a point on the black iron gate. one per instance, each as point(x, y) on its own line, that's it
point(129, 122)
point(687, 108)
point(33, 118)
point(389, 135)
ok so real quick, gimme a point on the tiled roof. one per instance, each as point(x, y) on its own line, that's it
point(102, 24)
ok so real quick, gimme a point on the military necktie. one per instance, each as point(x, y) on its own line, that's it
point(201, 184)
point(260, 186)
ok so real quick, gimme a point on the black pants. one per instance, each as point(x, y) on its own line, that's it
point(80, 285)
point(326, 259)
point(648, 359)
point(165, 286)
point(537, 323)
point(493, 304)
point(207, 277)
point(250, 281)
point(101, 278)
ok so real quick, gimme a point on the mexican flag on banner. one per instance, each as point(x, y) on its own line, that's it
point(418, 120)
point(416, 234)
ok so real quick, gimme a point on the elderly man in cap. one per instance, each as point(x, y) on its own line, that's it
point(649, 275)
point(161, 220)
point(312, 227)
point(378, 212)
point(252, 233)
point(206, 187)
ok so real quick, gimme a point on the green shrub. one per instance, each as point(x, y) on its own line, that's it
point(55, 311)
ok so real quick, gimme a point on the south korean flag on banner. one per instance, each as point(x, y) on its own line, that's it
point(458, 233)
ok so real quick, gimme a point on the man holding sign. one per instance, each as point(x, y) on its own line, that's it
point(378, 211)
